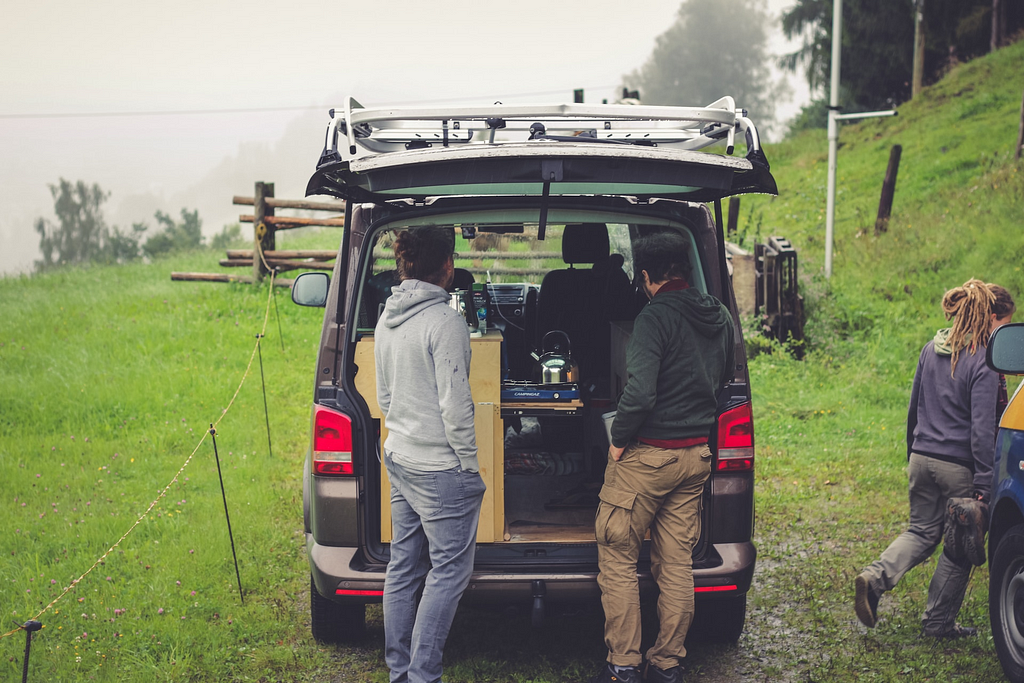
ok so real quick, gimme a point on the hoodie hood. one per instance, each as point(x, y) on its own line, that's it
point(410, 298)
point(942, 345)
point(941, 342)
point(705, 312)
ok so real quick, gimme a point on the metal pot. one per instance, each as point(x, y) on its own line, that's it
point(556, 364)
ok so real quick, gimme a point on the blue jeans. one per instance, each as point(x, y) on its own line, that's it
point(434, 517)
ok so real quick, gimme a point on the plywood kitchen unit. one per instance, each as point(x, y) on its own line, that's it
point(485, 385)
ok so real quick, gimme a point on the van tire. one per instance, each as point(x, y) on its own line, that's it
point(720, 621)
point(1006, 602)
point(332, 622)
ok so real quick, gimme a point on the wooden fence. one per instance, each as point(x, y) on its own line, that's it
point(266, 223)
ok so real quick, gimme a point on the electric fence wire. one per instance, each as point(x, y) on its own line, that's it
point(174, 480)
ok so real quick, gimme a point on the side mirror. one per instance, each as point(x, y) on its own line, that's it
point(1006, 350)
point(310, 289)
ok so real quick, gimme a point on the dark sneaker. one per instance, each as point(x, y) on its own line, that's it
point(656, 675)
point(955, 631)
point(631, 674)
point(865, 602)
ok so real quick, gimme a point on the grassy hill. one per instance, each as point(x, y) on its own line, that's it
point(111, 375)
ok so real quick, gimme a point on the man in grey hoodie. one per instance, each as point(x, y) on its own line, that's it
point(422, 354)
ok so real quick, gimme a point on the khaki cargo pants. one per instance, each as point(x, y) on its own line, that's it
point(657, 489)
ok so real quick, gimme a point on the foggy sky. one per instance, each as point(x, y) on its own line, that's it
point(62, 57)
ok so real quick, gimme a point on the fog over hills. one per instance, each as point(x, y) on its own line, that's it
point(184, 105)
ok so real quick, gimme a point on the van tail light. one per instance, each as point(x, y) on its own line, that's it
point(332, 443)
point(736, 440)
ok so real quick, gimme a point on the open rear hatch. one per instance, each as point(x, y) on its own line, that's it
point(544, 151)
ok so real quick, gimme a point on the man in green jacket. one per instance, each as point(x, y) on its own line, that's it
point(679, 356)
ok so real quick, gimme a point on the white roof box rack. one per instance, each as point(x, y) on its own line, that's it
point(357, 132)
point(393, 153)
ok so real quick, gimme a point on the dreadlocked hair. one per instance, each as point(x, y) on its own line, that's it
point(970, 308)
point(1003, 304)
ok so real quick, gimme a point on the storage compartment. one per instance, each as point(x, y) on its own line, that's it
point(485, 385)
point(550, 495)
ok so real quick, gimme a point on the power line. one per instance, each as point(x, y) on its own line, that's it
point(257, 110)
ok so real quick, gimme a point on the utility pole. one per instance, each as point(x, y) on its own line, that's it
point(834, 117)
point(833, 132)
point(918, 77)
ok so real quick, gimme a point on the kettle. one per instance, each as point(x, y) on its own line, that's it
point(556, 364)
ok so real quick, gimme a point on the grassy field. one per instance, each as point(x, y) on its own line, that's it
point(111, 376)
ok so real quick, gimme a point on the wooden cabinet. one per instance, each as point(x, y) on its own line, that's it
point(485, 385)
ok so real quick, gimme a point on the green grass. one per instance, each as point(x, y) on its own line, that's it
point(110, 376)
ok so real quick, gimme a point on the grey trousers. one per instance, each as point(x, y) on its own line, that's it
point(932, 482)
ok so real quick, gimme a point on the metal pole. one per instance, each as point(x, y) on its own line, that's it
point(833, 132)
point(30, 627)
point(263, 382)
point(224, 497)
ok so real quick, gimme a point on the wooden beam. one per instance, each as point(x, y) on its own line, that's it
point(278, 263)
point(734, 215)
point(495, 255)
point(292, 204)
point(1020, 133)
point(223, 277)
point(263, 231)
point(888, 190)
point(315, 254)
point(287, 222)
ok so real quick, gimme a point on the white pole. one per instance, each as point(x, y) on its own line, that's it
point(833, 132)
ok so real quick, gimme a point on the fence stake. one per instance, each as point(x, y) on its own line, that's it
point(888, 190)
point(280, 334)
point(266, 412)
point(30, 627)
point(263, 232)
point(238, 577)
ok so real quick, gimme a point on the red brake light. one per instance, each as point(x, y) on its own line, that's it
point(332, 442)
point(736, 439)
point(714, 589)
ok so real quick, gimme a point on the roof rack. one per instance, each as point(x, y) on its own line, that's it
point(366, 132)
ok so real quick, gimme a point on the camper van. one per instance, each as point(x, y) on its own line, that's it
point(543, 204)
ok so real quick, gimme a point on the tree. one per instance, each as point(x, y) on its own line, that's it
point(121, 247)
point(714, 48)
point(175, 236)
point(79, 233)
point(878, 42)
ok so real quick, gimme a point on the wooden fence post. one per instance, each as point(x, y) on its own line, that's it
point(263, 232)
point(734, 215)
point(888, 190)
point(1020, 133)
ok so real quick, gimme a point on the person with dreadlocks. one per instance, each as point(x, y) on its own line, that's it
point(950, 447)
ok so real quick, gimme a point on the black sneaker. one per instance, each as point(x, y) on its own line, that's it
point(656, 675)
point(865, 602)
point(629, 674)
point(955, 631)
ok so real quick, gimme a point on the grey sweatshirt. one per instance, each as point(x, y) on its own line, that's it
point(421, 348)
point(954, 418)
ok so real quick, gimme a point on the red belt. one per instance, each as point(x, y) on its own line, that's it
point(674, 443)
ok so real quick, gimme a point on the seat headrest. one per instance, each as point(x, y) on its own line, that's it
point(585, 242)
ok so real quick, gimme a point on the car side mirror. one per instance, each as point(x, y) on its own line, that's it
point(1006, 349)
point(310, 289)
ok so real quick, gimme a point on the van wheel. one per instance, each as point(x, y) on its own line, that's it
point(720, 621)
point(334, 623)
point(1006, 602)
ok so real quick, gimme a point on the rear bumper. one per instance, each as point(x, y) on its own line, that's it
point(340, 574)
